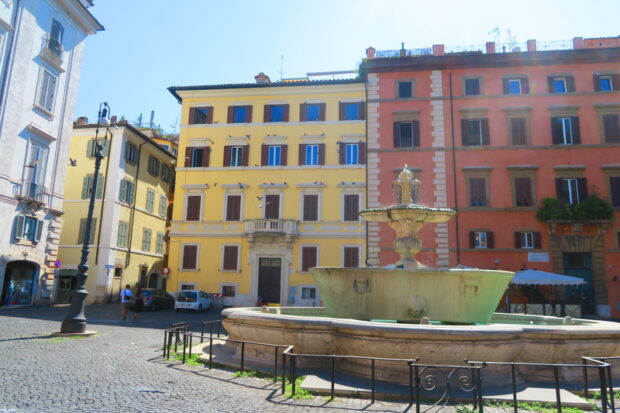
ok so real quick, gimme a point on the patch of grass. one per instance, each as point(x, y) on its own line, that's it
point(529, 406)
point(299, 392)
point(596, 395)
point(63, 339)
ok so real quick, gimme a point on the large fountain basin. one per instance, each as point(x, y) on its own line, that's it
point(448, 295)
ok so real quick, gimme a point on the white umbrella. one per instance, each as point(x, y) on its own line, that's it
point(536, 277)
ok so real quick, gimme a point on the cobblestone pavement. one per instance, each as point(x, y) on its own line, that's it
point(121, 369)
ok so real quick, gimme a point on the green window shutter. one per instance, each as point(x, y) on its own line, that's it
point(130, 192)
point(19, 226)
point(39, 231)
point(93, 229)
point(122, 194)
point(86, 186)
point(89, 148)
point(81, 231)
point(99, 194)
point(106, 147)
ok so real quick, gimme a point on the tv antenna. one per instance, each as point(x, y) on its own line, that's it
point(281, 66)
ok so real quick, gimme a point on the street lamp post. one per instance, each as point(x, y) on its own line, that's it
point(75, 320)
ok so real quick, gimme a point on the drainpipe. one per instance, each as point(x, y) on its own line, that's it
point(366, 162)
point(133, 208)
point(454, 185)
point(105, 184)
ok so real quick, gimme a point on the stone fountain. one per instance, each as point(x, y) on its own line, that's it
point(408, 291)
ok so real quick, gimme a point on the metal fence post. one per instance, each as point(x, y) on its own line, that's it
point(372, 375)
point(190, 344)
point(601, 374)
point(514, 387)
point(294, 375)
point(417, 389)
point(410, 364)
point(164, 346)
point(210, 352)
point(586, 389)
point(275, 365)
point(184, 344)
point(479, 385)
point(242, 355)
point(283, 372)
point(202, 331)
point(556, 377)
point(611, 389)
point(333, 367)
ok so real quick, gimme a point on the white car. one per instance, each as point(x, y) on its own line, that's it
point(195, 300)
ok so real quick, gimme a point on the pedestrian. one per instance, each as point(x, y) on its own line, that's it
point(125, 301)
point(138, 304)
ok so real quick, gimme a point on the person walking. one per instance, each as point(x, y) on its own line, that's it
point(138, 305)
point(125, 301)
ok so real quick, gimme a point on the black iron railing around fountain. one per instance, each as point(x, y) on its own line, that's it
point(443, 384)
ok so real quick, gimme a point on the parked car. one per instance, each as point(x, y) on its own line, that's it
point(155, 299)
point(195, 300)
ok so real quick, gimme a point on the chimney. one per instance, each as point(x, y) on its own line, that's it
point(490, 47)
point(262, 79)
point(113, 119)
point(370, 52)
point(82, 120)
point(439, 50)
point(531, 45)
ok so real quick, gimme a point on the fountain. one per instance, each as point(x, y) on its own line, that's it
point(407, 310)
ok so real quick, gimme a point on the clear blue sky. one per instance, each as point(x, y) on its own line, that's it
point(149, 45)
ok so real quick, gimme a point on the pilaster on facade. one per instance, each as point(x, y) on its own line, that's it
point(373, 165)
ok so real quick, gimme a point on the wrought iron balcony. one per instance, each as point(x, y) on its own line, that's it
point(52, 51)
point(285, 227)
point(31, 194)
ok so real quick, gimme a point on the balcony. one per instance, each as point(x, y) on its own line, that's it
point(31, 194)
point(286, 228)
point(52, 51)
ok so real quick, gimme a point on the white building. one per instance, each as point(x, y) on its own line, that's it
point(41, 46)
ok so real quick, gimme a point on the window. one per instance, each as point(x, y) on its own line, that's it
point(239, 114)
point(121, 237)
point(192, 207)
point(272, 207)
point(477, 192)
point(150, 200)
point(187, 286)
point(229, 290)
point(233, 208)
point(126, 192)
point(163, 205)
point(273, 155)
point(275, 113)
point(87, 186)
point(523, 192)
point(475, 132)
point(611, 128)
point(47, 90)
point(273, 158)
point(146, 240)
point(166, 173)
point(309, 257)
point(159, 243)
point(34, 171)
point(351, 257)
point(407, 134)
point(236, 155)
point(82, 231)
point(527, 240)
point(190, 257)
point(91, 147)
point(614, 188)
point(571, 190)
point(308, 293)
point(518, 131)
point(352, 153)
point(516, 86)
point(197, 156)
point(311, 207)
point(565, 130)
point(312, 154)
point(471, 86)
point(131, 153)
point(561, 84)
point(312, 112)
point(606, 83)
point(405, 89)
point(231, 253)
point(201, 115)
point(351, 207)
point(28, 228)
point(352, 111)
point(55, 41)
point(481, 239)
point(153, 166)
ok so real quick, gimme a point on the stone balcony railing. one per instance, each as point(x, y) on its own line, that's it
point(285, 227)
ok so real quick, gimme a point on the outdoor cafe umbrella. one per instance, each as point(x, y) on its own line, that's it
point(536, 277)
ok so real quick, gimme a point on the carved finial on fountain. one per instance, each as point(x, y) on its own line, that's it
point(406, 187)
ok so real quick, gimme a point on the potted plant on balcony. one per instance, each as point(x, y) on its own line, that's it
point(588, 217)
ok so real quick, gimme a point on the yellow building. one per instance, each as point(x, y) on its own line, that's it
point(270, 179)
point(128, 241)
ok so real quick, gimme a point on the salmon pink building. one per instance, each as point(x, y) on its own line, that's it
point(491, 133)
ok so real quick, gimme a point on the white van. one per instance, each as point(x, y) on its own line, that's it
point(195, 300)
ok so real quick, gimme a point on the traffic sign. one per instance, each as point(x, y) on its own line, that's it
point(57, 264)
point(109, 266)
point(166, 270)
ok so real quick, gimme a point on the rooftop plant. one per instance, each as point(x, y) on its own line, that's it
point(593, 208)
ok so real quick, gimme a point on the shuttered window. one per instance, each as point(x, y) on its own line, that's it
point(405, 89)
point(126, 191)
point(274, 155)
point(146, 240)
point(477, 192)
point(91, 147)
point(561, 84)
point(518, 131)
point(159, 243)
point(276, 113)
point(121, 238)
point(571, 190)
point(565, 130)
point(472, 86)
point(351, 207)
point(201, 115)
point(231, 253)
point(351, 257)
point(190, 257)
point(606, 83)
point(87, 184)
point(311, 207)
point(192, 210)
point(475, 132)
point(30, 228)
point(239, 114)
point(163, 205)
point(523, 192)
point(311, 112)
point(153, 165)
point(272, 207)
point(308, 258)
point(611, 128)
point(233, 208)
point(131, 153)
point(528, 240)
point(516, 86)
point(150, 200)
point(82, 231)
point(481, 239)
point(407, 134)
point(236, 155)
point(352, 111)
point(614, 187)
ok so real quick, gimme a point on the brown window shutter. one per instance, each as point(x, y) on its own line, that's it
point(321, 154)
point(415, 133)
point(272, 207)
point(396, 134)
point(285, 113)
point(206, 155)
point(517, 240)
point(505, 86)
point(615, 80)
point(189, 257)
point(465, 132)
point(362, 153)
point(267, 113)
point(264, 155)
point(248, 114)
point(550, 84)
point(537, 240)
point(209, 114)
point(525, 85)
point(283, 155)
point(341, 111)
point(192, 115)
point(556, 131)
point(523, 192)
point(472, 239)
point(582, 188)
point(597, 83)
point(231, 112)
point(570, 84)
point(574, 120)
point(308, 259)
point(614, 187)
point(362, 114)
point(302, 154)
point(193, 208)
point(230, 257)
point(611, 128)
point(518, 131)
point(227, 155)
point(311, 212)
point(485, 131)
point(302, 112)
point(341, 152)
point(351, 207)
point(188, 156)
point(560, 190)
point(351, 257)
point(490, 240)
point(233, 208)
point(245, 155)
point(322, 110)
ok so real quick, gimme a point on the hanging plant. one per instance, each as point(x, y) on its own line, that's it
point(594, 208)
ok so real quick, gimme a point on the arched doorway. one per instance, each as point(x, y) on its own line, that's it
point(19, 282)
point(153, 280)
